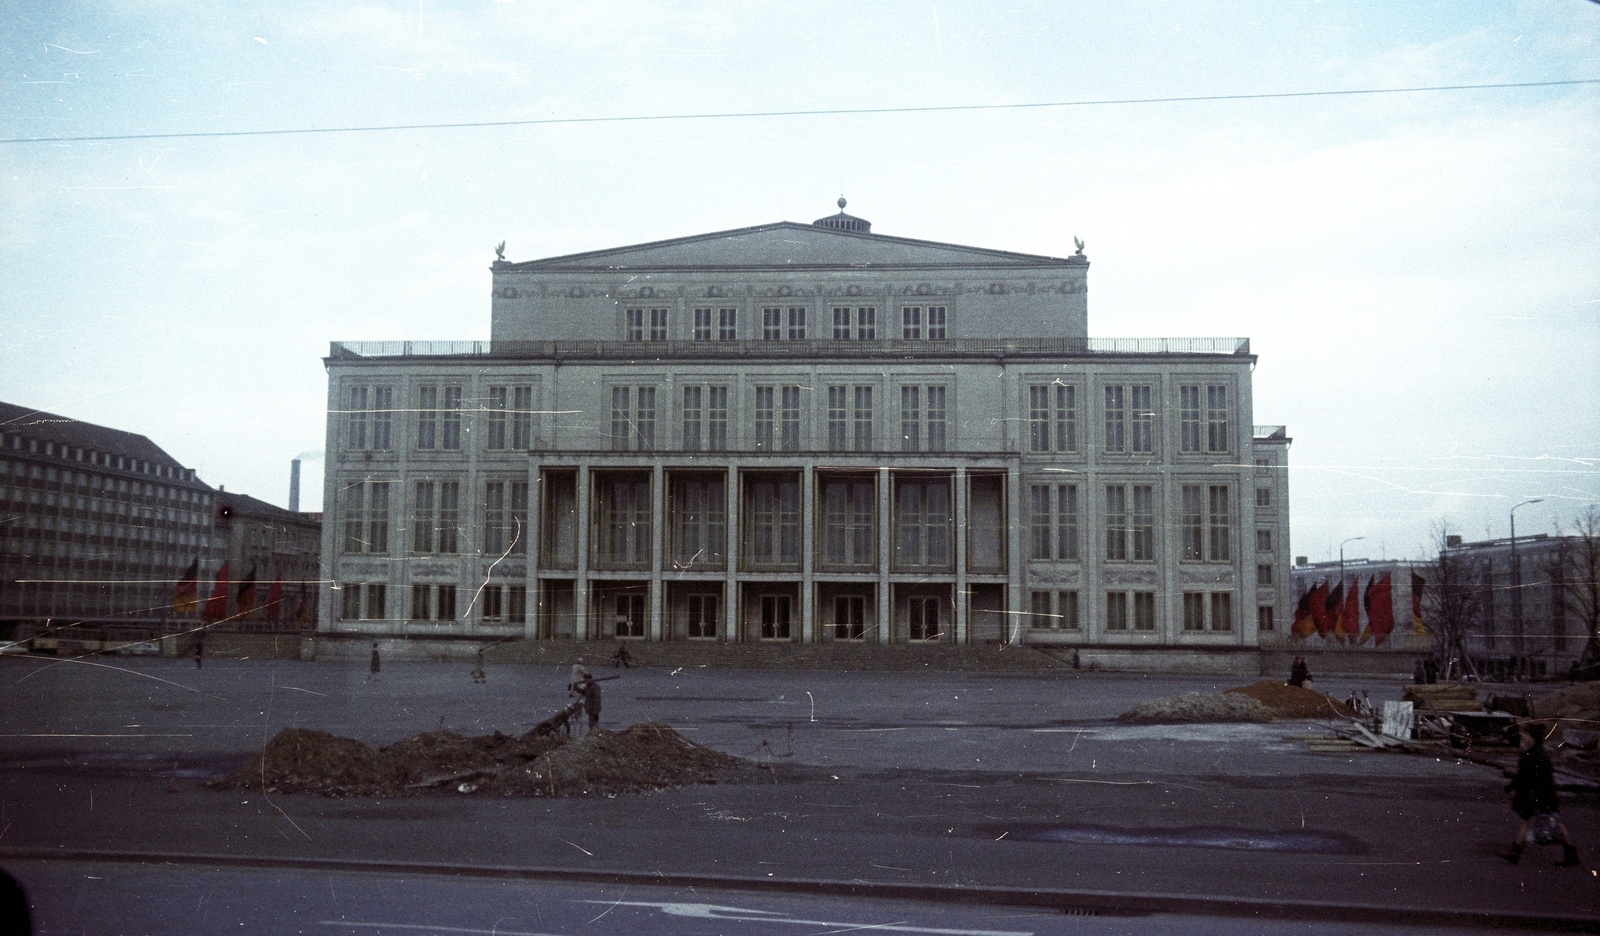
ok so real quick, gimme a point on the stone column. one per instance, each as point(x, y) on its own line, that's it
point(958, 601)
point(885, 554)
point(580, 582)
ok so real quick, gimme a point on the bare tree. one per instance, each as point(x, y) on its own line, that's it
point(1578, 580)
point(1455, 600)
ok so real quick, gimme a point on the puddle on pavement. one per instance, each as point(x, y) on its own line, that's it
point(1321, 843)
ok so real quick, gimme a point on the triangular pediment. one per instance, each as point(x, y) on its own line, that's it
point(787, 245)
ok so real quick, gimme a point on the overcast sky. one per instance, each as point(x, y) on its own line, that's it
point(1419, 273)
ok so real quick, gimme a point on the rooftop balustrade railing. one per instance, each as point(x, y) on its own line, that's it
point(344, 350)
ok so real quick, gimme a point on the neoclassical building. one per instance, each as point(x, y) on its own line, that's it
point(803, 432)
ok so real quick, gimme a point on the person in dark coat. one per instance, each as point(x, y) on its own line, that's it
point(1299, 672)
point(590, 689)
point(1533, 798)
point(377, 664)
point(199, 652)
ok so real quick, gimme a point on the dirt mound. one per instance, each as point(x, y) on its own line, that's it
point(1576, 699)
point(648, 756)
point(1198, 707)
point(1288, 701)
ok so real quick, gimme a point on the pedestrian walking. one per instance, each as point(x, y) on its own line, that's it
point(477, 668)
point(622, 659)
point(1533, 798)
point(591, 701)
point(377, 663)
point(199, 652)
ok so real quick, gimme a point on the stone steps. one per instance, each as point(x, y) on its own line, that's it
point(944, 658)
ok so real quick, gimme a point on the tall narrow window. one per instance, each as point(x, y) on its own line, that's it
point(1194, 518)
point(1067, 610)
point(765, 418)
point(702, 616)
point(1194, 611)
point(838, 418)
point(496, 404)
point(376, 607)
point(847, 530)
point(1144, 611)
point(382, 418)
point(366, 517)
point(421, 602)
point(1220, 523)
point(936, 419)
point(622, 521)
point(355, 408)
point(1053, 417)
point(494, 518)
point(1264, 619)
point(866, 323)
point(774, 521)
point(621, 413)
point(922, 522)
point(699, 522)
point(693, 414)
point(633, 426)
point(1116, 420)
point(923, 618)
point(517, 529)
point(797, 323)
point(447, 603)
point(450, 423)
point(775, 611)
point(1116, 611)
point(644, 417)
point(727, 324)
point(862, 417)
point(910, 419)
point(1038, 419)
point(1039, 521)
point(635, 324)
point(521, 418)
point(771, 324)
point(911, 323)
point(516, 604)
point(492, 601)
point(1189, 418)
point(1144, 523)
point(424, 518)
point(841, 323)
point(936, 323)
point(849, 617)
point(1142, 419)
point(717, 419)
point(1222, 611)
point(1217, 420)
point(658, 324)
point(1067, 522)
point(789, 430)
point(1116, 522)
point(702, 325)
point(427, 417)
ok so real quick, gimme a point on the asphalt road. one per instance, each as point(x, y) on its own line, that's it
point(1018, 789)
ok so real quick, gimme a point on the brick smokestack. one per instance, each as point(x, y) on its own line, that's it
point(294, 484)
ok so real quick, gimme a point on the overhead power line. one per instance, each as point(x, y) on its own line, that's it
point(828, 112)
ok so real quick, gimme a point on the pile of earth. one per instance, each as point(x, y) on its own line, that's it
point(1576, 708)
point(642, 757)
point(1263, 701)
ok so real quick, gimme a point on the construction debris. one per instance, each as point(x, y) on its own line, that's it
point(647, 756)
point(1443, 697)
point(1198, 707)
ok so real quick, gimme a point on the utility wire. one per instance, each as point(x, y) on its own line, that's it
point(740, 115)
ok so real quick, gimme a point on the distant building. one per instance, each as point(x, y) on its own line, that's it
point(1528, 625)
point(97, 527)
point(1383, 610)
point(273, 555)
point(806, 433)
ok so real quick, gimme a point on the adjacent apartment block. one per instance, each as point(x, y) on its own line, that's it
point(804, 433)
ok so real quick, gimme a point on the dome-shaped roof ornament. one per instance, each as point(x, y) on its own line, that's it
point(844, 222)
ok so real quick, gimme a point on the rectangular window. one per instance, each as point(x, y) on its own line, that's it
point(427, 417)
point(1264, 618)
point(447, 603)
point(517, 528)
point(658, 324)
point(789, 427)
point(838, 418)
point(450, 421)
point(1263, 573)
point(1038, 419)
point(1143, 419)
point(633, 426)
point(702, 325)
point(716, 419)
point(1144, 523)
point(436, 517)
point(774, 521)
point(1052, 418)
point(1144, 611)
point(727, 324)
point(349, 601)
point(1263, 541)
point(1264, 498)
point(1116, 522)
point(516, 604)
point(922, 522)
point(771, 324)
point(1039, 522)
point(1189, 418)
point(1194, 611)
point(366, 517)
point(1194, 519)
point(622, 519)
point(937, 418)
point(382, 418)
point(1217, 419)
point(911, 323)
point(496, 404)
point(702, 616)
point(1067, 610)
point(699, 522)
point(797, 323)
point(866, 323)
point(1040, 616)
point(424, 518)
point(841, 323)
point(849, 617)
point(1116, 420)
point(376, 607)
point(422, 602)
point(1222, 611)
point(862, 417)
point(1116, 611)
point(693, 400)
point(936, 323)
point(848, 525)
point(635, 324)
point(355, 408)
point(492, 603)
point(765, 415)
point(521, 418)
point(910, 419)
point(1067, 522)
point(494, 518)
point(644, 419)
point(1219, 524)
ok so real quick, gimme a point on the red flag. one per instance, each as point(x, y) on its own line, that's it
point(275, 600)
point(1332, 601)
point(1350, 620)
point(217, 605)
point(186, 597)
point(1304, 624)
point(1380, 608)
point(1418, 583)
point(246, 599)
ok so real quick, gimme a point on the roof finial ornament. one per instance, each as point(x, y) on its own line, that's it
point(500, 251)
point(841, 202)
point(1079, 243)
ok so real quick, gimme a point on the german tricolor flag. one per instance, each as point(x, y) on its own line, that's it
point(217, 605)
point(1380, 609)
point(1304, 624)
point(186, 597)
point(245, 600)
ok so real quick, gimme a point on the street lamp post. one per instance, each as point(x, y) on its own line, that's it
point(1341, 557)
point(1516, 582)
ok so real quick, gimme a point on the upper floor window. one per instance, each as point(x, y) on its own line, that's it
point(505, 517)
point(510, 418)
point(1130, 419)
point(919, 322)
point(369, 414)
point(850, 418)
point(923, 419)
point(797, 323)
point(705, 418)
point(365, 505)
point(647, 323)
point(633, 419)
point(860, 323)
point(716, 324)
point(771, 324)
point(1204, 418)
point(922, 522)
point(1053, 417)
point(1130, 533)
point(777, 418)
point(439, 417)
point(1053, 522)
point(1207, 523)
point(435, 517)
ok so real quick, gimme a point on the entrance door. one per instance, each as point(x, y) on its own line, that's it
point(924, 618)
point(630, 615)
point(702, 616)
point(775, 617)
point(849, 617)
